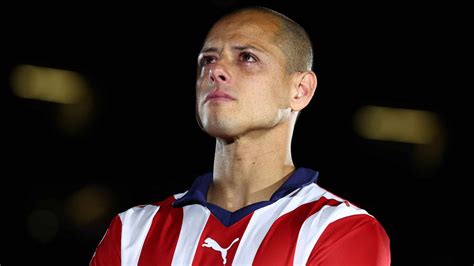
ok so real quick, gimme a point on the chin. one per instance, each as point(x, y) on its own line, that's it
point(222, 133)
point(221, 129)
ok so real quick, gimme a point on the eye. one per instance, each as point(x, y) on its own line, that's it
point(248, 57)
point(206, 60)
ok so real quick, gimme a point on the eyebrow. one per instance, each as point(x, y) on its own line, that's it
point(235, 47)
point(210, 49)
point(247, 47)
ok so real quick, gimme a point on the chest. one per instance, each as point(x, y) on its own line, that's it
point(195, 236)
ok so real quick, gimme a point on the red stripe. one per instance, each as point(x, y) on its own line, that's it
point(353, 240)
point(160, 242)
point(108, 250)
point(224, 236)
point(278, 246)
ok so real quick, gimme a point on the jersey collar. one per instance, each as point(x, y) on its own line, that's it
point(197, 194)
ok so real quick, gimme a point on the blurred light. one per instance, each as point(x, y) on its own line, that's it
point(74, 118)
point(48, 84)
point(43, 225)
point(421, 128)
point(64, 87)
point(395, 124)
point(88, 205)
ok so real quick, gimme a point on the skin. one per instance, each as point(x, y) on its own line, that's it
point(253, 128)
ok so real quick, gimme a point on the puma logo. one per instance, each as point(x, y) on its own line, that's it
point(211, 243)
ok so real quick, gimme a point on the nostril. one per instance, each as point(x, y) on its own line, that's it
point(212, 78)
point(222, 77)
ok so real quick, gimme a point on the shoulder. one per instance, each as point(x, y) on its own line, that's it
point(348, 233)
point(129, 229)
point(148, 211)
point(339, 210)
point(330, 207)
point(358, 240)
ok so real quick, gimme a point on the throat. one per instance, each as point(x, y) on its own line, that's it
point(235, 196)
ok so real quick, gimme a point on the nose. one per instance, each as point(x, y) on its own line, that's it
point(219, 74)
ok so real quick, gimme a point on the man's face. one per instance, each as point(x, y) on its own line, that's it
point(242, 84)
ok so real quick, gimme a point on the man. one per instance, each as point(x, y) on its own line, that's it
point(254, 76)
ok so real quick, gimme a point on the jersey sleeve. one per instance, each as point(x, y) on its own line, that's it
point(108, 250)
point(354, 240)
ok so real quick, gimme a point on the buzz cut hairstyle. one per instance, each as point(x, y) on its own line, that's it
point(292, 39)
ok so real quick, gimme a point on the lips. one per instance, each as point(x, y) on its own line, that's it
point(218, 95)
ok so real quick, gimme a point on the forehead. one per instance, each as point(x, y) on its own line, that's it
point(255, 29)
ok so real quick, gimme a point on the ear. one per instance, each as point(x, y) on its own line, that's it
point(303, 88)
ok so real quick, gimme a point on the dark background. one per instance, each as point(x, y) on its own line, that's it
point(142, 143)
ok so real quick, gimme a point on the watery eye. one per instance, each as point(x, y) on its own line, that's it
point(248, 57)
point(206, 60)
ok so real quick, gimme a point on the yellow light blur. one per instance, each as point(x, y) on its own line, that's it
point(396, 124)
point(67, 88)
point(88, 204)
point(422, 128)
point(48, 84)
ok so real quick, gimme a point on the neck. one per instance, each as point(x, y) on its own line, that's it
point(251, 168)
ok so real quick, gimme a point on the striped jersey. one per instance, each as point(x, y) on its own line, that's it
point(301, 224)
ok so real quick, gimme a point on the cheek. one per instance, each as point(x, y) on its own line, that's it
point(199, 81)
point(261, 103)
point(269, 93)
point(200, 88)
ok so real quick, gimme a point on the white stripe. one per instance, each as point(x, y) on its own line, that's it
point(180, 195)
point(194, 220)
point(135, 225)
point(315, 225)
point(264, 218)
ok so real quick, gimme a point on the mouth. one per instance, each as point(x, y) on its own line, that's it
point(218, 95)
